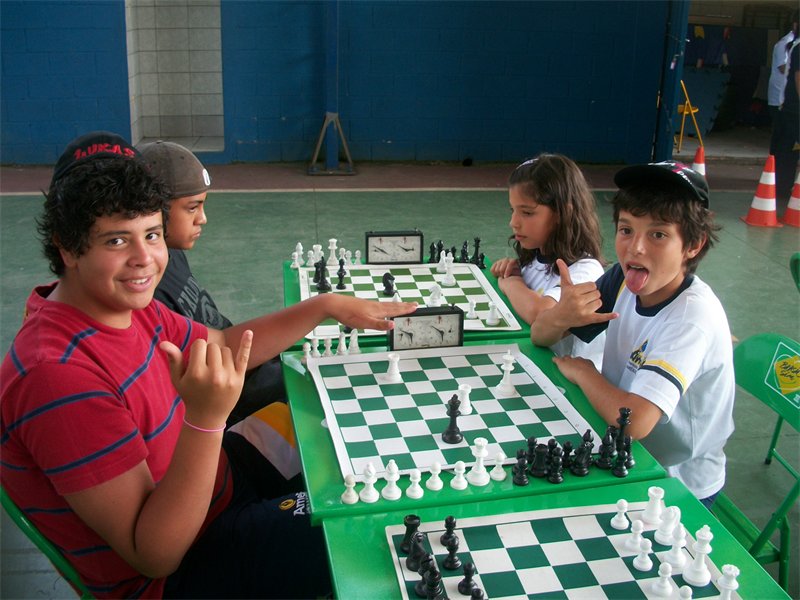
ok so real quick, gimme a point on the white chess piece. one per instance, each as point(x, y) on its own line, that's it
point(643, 562)
point(675, 555)
point(317, 249)
point(310, 258)
point(727, 582)
point(306, 352)
point(353, 348)
point(415, 490)
point(498, 473)
point(440, 266)
point(391, 491)
point(396, 298)
point(620, 520)
point(369, 494)
point(505, 388)
point(459, 482)
point(652, 512)
point(295, 261)
point(332, 249)
point(349, 495)
point(662, 587)
point(634, 542)
point(471, 313)
point(357, 260)
point(327, 351)
point(697, 573)
point(341, 348)
point(449, 279)
point(348, 258)
point(685, 592)
point(464, 390)
point(434, 481)
point(478, 476)
point(393, 373)
point(669, 518)
point(314, 347)
point(342, 254)
point(299, 249)
point(435, 299)
point(493, 318)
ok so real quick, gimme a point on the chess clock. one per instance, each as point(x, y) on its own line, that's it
point(394, 247)
point(428, 327)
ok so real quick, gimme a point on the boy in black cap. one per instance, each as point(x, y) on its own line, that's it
point(113, 407)
point(668, 353)
point(188, 183)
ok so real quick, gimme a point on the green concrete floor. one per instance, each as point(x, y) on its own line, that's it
point(249, 234)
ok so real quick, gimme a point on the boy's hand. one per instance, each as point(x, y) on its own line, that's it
point(367, 314)
point(573, 367)
point(505, 267)
point(579, 302)
point(211, 380)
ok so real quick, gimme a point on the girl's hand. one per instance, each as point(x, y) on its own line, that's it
point(505, 267)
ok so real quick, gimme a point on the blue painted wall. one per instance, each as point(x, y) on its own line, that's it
point(489, 80)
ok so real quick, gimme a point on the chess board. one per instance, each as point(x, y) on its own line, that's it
point(371, 420)
point(412, 283)
point(553, 553)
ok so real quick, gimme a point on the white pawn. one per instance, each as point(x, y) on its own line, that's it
point(369, 494)
point(341, 349)
point(295, 261)
point(396, 298)
point(357, 260)
point(391, 491)
point(415, 490)
point(662, 587)
point(498, 473)
point(342, 254)
point(643, 562)
point(675, 555)
point(669, 518)
point(493, 318)
point(478, 476)
point(464, 390)
point(471, 313)
point(314, 347)
point(435, 482)
point(652, 512)
point(697, 573)
point(349, 495)
point(459, 482)
point(327, 351)
point(620, 520)
point(306, 352)
point(393, 373)
point(440, 267)
point(310, 258)
point(354, 349)
point(727, 582)
point(318, 254)
point(634, 542)
point(685, 592)
point(449, 279)
point(299, 249)
point(348, 258)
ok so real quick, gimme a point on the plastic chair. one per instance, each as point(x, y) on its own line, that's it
point(758, 361)
point(65, 569)
point(794, 267)
point(687, 109)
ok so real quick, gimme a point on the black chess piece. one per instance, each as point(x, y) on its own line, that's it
point(322, 285)
point(453, 253)
point(341, 273)
point(315, 279)
point(623, 421)
point(388, 284)
point(630, 463)
point(566, 460)
point(620, 470)
point(476, 253)
point(439, 249)
point(539, 466)
point(449, 528)
point(425, 565)
point(453, 435)
point(556, 467)
point(451, 561)
point(520, 477)
point(605, 460)
point(432, 257)
point(477, 594)
point(582, 460)
point(412, 524)
point(466, 585)
point(434, 590)
point(481, 261)
point(532, 443)
point(416, 551)
point(520, 454)
point(552, 444)
point(465, 252)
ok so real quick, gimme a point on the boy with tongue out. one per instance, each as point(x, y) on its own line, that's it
point(668, 353)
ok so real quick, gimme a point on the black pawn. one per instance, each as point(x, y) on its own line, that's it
point(614, 432)
point(520, 454)
point(451, 561)
point(605, 460)
point(620, 470)
point(482, 261)
point(552, 444)
point(630, 463)
point(341, 273)
point(520, 476)
point(449, 529)
point(465, 252)
point(433, 584)
point(425, 565)
point(532, 443)
point(439, 249)
point(432, 257)
point(412, 524)
point(556, 468)
point(466, 585)
point(453, 435)
point(453, 253)
point(416, 552)
point(477, 594)
point(316, 272)
point(539, 466)
point(566, 460)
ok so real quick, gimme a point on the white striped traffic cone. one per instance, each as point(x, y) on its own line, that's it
point(762, 209)
point(792, 214)
point(699, 164)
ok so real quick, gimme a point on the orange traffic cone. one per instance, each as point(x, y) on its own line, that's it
point(792, 214)
point(762, 210)
point(699, 164)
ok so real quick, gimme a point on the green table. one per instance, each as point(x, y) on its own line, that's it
point(325, 483)
point(291, 295)
point(362, 564)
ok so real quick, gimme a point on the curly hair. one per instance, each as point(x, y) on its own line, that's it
point(555, 181)
point(671, 204)
point(96, 188)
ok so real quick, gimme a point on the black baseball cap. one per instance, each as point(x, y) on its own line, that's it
point(91, 146)
point(668, 171)
point(176, 166)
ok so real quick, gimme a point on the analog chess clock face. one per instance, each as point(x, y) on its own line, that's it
point(394, 247)
point(428, 327)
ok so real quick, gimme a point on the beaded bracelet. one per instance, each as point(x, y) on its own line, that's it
point(195, 427)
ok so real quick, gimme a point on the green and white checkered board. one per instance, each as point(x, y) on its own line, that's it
point(556, 553)
point(413, 283)
point(371, 420)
